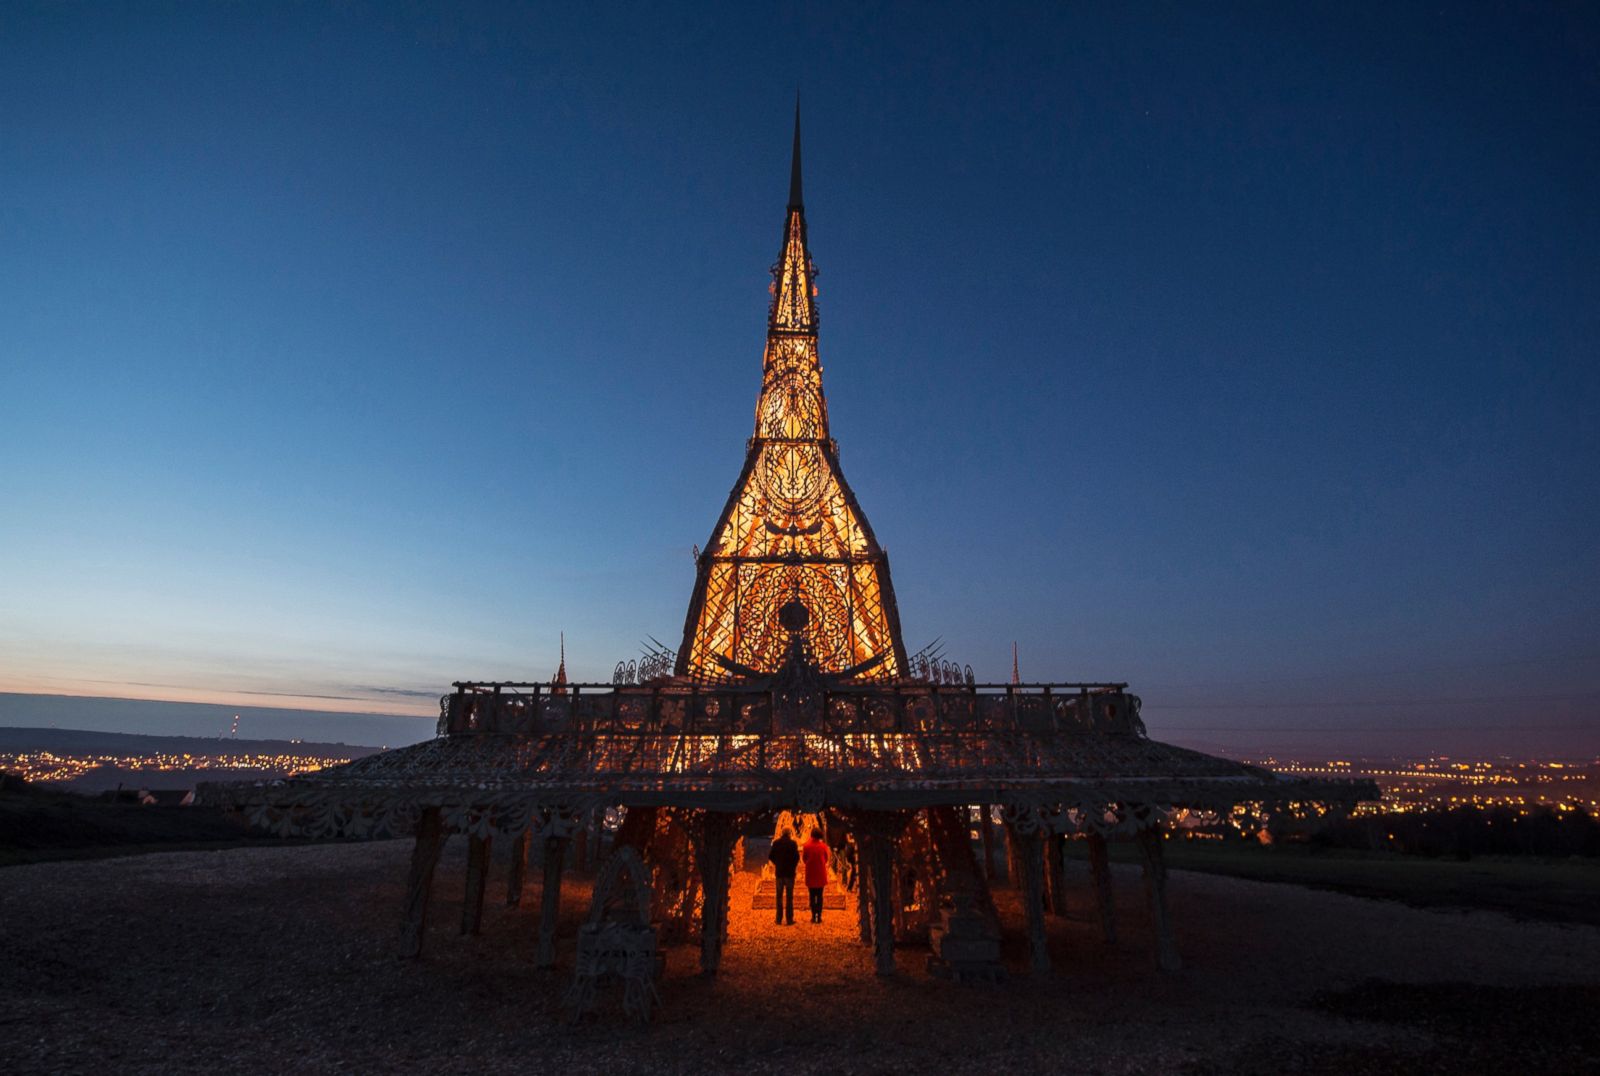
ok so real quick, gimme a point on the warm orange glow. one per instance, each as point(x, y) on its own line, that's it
point(792, 530)
point(792, 309)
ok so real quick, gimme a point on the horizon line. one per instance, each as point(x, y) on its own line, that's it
point(255, 705)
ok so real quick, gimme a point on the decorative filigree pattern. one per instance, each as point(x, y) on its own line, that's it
point(1067, 759)
point(655, 665)
point(791, 530)
point(794, 290)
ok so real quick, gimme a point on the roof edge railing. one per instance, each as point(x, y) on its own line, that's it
point(678, 708)
point(548, 687)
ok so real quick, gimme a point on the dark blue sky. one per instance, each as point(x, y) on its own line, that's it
point(1248, 353)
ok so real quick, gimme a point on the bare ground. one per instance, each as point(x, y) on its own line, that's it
point(280, 959)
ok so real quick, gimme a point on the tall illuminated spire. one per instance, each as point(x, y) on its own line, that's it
point(794, 289)
point(792, 560)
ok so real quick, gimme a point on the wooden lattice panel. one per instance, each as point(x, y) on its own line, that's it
point(791, 532)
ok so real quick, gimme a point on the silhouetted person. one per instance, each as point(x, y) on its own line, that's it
point(816, 854)
point(784, 857)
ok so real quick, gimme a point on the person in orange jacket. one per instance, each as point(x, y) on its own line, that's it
point(815, 854)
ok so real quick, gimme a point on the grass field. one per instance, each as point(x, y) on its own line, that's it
point(1560, 891)
point(41, 824)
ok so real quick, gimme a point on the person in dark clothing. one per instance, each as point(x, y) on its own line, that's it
point(784, 857)
point(816, 857)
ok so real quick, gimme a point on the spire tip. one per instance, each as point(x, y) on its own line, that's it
point(795, 200)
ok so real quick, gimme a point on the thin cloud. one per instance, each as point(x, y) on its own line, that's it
point(404, 692)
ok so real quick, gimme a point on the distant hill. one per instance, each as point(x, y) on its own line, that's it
point(44, 823)
point(210, 720)
point(86, 741)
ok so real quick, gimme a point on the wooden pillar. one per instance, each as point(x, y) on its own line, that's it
point(881, 859)
point(424, 857)
point(1155, 884)
point(1028, 852)
point(597, 830)
point(901, 897)
point(478, 849)
point(555, 861)
point(714, 842)
point(1055, 865)
point(863, 893)
point(580, 847)
point(519, 869)
point(986, 813)
point(1100, 871)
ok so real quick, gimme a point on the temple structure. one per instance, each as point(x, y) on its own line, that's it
point(792, 557)
point(792, 691)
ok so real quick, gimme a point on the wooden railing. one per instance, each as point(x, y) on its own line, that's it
point(536, 709)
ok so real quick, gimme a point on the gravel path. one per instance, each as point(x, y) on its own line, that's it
point(279, 959)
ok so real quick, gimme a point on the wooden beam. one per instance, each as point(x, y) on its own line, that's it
point(519, 870)
point(1055, 876)
point(863, 894)
point(881, 860)
point(478, 850)
point(419, 887)
point(580, 847)
point(597, 832)
point(1155, 883)
point(1028, 851)
point(1100, 872)
point(715, 838)
point(555, 861)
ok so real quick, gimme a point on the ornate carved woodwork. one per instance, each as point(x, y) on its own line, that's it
point(792, 556)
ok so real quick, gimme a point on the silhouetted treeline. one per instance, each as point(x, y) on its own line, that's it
point(1468, 831)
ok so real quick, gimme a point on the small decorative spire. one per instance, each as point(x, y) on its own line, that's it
point(558, 683)
point(795, 201)
point(1016, 674)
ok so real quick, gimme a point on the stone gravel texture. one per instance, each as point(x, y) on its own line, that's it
point(281, 960)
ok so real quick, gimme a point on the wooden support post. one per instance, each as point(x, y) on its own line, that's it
point(580, 847)
point(1155, 883)
point(1055, 865)
point(1028, 851)
point(1100, 870)
point(478, 849)
point(597, 829)
point(555, 861)
point(519, 870)
point(881, 859)
point(986, 814)
point(424, 857)
point(714, 840)
point(863, 893)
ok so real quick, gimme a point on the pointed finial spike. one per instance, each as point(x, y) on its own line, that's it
point(558, 683)
point(795, 201)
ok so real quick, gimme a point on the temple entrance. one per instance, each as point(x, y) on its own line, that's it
point(754, 853)
point(763, 954)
